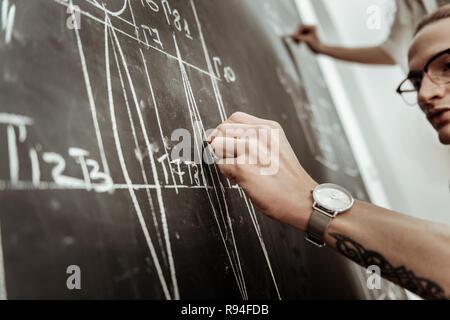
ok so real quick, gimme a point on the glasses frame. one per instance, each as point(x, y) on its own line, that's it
point(419, 73)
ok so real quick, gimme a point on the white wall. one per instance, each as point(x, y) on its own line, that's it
point(410, 164)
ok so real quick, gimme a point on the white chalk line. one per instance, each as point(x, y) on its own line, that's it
point(8, 15)
point(15, 120)
point(154, 171)
point(10, 25)
point(5, 6)
point(136, 29)
point(91, 101)
point(209, 64)
point(125, 171)
point(3, 293)
point(224, 117)
point(13, 157)
point(192, 106)
point(188, 97)
point(155, 104)
point(252, 212)
point(140, 159)
point(36, 173)
point(6, 185)
point(228, 223)
point(195, 114)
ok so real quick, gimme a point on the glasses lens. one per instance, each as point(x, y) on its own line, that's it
point(409, 93)
point(439, 69)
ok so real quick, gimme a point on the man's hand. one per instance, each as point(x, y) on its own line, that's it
point(369, 55)
point(248, 149)
point(308, 35)
point(411, 252)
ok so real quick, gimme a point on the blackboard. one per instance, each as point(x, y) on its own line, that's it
point(91, 94)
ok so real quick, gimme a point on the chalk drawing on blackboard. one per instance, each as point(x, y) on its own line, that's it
point(96, 173)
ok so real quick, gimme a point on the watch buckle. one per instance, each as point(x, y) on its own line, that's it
point(314, 241)
point(324, 211)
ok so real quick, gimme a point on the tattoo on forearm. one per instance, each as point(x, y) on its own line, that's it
point(425, 288)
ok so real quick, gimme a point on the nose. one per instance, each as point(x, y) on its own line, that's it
point(429, 93)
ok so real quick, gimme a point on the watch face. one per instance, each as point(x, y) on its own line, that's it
point(333, 197)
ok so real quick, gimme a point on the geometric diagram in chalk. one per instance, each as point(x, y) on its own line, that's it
point(217, 196)
point(127, 123)
point(141, 131)
point(223, 221)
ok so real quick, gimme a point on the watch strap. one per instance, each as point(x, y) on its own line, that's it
point(317, 225)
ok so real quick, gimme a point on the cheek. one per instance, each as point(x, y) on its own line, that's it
point(447, 95)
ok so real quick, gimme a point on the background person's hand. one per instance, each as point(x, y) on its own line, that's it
point(308, 35)
point(284, 194)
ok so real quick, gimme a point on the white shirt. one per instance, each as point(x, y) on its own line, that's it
point(406, 16)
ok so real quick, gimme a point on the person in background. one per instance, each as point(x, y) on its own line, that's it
point(411, 252)
point(407, 15)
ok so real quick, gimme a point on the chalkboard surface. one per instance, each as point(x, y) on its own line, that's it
point(93, 98)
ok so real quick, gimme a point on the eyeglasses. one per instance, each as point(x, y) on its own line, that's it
point(437, 69)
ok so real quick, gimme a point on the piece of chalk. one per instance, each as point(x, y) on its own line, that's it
point(210, 154)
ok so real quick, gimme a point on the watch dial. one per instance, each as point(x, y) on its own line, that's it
point(332, 198)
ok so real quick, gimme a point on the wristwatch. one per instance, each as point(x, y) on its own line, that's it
point(329, 201)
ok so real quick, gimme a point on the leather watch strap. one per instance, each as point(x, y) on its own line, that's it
point(317, 225)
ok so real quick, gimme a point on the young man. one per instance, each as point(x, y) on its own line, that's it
point(404, 14)
point(411, 252)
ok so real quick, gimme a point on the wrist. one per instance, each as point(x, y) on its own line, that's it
point(323, 49)
point(342, 223)
point(300, 210)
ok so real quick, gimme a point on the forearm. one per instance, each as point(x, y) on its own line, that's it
point(369, 55)
point(410, 252)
